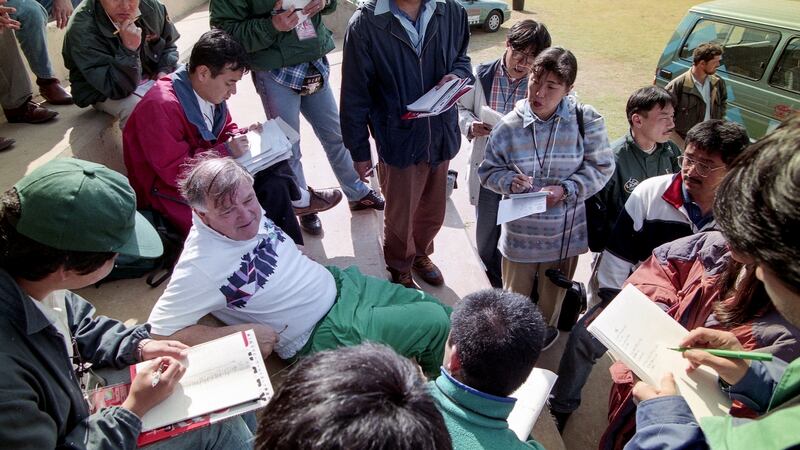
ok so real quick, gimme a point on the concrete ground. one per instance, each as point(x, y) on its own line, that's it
point(349, 238)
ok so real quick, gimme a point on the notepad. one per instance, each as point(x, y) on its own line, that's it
point(438, 100)
point(270, 146)
point(639, 333)
point(531, 398)
point(521, 205)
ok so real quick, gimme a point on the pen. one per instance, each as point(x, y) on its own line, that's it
point(275, 12)
point(517, 169)
point(755, 356)
point(119, 29)
point(157, 375)
point(371, 170)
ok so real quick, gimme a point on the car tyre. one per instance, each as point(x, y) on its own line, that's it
point(493, 21)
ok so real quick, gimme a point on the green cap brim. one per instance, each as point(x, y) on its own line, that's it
point(144, 241)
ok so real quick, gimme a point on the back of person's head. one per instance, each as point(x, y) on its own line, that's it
point(208, 176)
point(757, 206)
point(643, 100)
point(497, 337)
point(558, 61)
point(706, 52)
point(217, 50)
point(724, 138)
point(73, 215)
point(527, 34)
point(364, 397)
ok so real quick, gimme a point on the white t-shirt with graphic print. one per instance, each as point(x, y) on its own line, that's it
point(263, 280)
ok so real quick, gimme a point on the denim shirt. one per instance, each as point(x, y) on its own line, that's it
point(414, 28)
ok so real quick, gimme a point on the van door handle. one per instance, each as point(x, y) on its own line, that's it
point(664, 73)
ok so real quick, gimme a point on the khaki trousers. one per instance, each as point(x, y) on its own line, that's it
point(15, 87)
point(520, 278)
point(415, 206)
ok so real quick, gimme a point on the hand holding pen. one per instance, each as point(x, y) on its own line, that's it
point(731, 370)
point(153, 384)
point(520, 183)
point(284, 20)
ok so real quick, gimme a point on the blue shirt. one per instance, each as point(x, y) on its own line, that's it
point(293, 76)
point(693, 210)
point(414, 28)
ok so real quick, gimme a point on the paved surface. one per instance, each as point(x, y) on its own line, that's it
point(349, 238)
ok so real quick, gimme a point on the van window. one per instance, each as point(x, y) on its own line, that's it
point(747, 50)
point(787, 72)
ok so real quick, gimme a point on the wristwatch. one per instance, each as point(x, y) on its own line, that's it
point(565, 189)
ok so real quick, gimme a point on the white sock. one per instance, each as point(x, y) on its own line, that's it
point(305, 199)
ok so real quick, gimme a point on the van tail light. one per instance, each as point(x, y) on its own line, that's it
point(664, 73)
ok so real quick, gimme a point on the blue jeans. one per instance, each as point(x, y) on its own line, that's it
point(580, 355)
point(32, 34)
point(322, 113)
point(230, 434)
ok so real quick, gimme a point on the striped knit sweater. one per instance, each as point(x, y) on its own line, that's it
point(583, 165)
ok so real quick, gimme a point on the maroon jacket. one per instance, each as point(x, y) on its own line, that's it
point(164, 131)
point(684, 278)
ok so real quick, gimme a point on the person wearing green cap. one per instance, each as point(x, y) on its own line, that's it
point(61, 228)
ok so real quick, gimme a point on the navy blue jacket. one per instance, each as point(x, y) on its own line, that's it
point(381, 74)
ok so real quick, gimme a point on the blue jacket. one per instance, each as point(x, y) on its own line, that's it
point(381, 74)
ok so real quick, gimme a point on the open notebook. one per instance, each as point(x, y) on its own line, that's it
point(224, 377)
point(273, 144)
point(639, 333)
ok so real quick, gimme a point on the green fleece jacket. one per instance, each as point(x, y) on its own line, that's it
point(250, 23)
point(476, 420)
point(100, 67)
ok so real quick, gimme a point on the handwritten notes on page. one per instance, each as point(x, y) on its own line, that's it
point(639, 333)
point(521, 205)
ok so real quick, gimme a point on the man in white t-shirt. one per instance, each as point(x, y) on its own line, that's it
point(243, 269)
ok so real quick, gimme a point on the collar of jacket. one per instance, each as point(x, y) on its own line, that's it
point(485, 75)
point(524, 110)
point(146, 20)
point(631, 142)
point(688, 83)
point(674, 196)
point(185, 93)
point(474, 400)
point(18, 308)
point(383, 18)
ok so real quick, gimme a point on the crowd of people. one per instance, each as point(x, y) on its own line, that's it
point(682, 206)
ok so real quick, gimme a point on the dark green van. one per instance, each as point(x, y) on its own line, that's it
point(761, 63)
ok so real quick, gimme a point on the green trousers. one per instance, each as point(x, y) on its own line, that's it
point(368, 309)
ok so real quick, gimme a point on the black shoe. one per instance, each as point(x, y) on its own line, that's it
point(371, 200)
point(311, 224)
point(561, 419)
point(550, 337)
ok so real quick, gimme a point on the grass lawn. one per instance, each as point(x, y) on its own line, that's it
point(617, 44)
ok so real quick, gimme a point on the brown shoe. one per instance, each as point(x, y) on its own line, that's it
point(402, 278)
point(428, 271)
point(51, 90)
point(321, 200)
point(5, 143)
point(29, 112)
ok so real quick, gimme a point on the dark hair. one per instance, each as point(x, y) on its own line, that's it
point(22, 257)
point(497, 337)
point(217, 50)
point(757, 205)
point(527, 34)
point(706, 52)
point(721, 137)
point(559, 61)
point(749, 296)
point(364, 397)
point(643, 100)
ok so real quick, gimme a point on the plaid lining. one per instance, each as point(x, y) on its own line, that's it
point(293, 76)
point(505, 94)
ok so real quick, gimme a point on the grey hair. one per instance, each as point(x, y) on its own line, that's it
point(209, 176)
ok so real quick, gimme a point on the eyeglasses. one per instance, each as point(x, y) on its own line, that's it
point(522, 56)
point(702, 169)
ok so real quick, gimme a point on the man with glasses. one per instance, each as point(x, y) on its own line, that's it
point(499, 85)
point(660, 210)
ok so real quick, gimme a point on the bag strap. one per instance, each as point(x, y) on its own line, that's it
point(579, 115)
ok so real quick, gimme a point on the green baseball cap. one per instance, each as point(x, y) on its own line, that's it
point(71, 204)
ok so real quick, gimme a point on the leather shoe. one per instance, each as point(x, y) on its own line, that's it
point(321, 200)
point(29, 112)
point(371, 200)
point(402, 278)
point(51, 90)
point(5, 143)
point(428, 271)
point(311, 224)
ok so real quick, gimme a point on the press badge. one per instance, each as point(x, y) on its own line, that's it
point(305, 29)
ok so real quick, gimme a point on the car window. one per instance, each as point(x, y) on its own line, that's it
point(747, 49)
point(787, 73)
